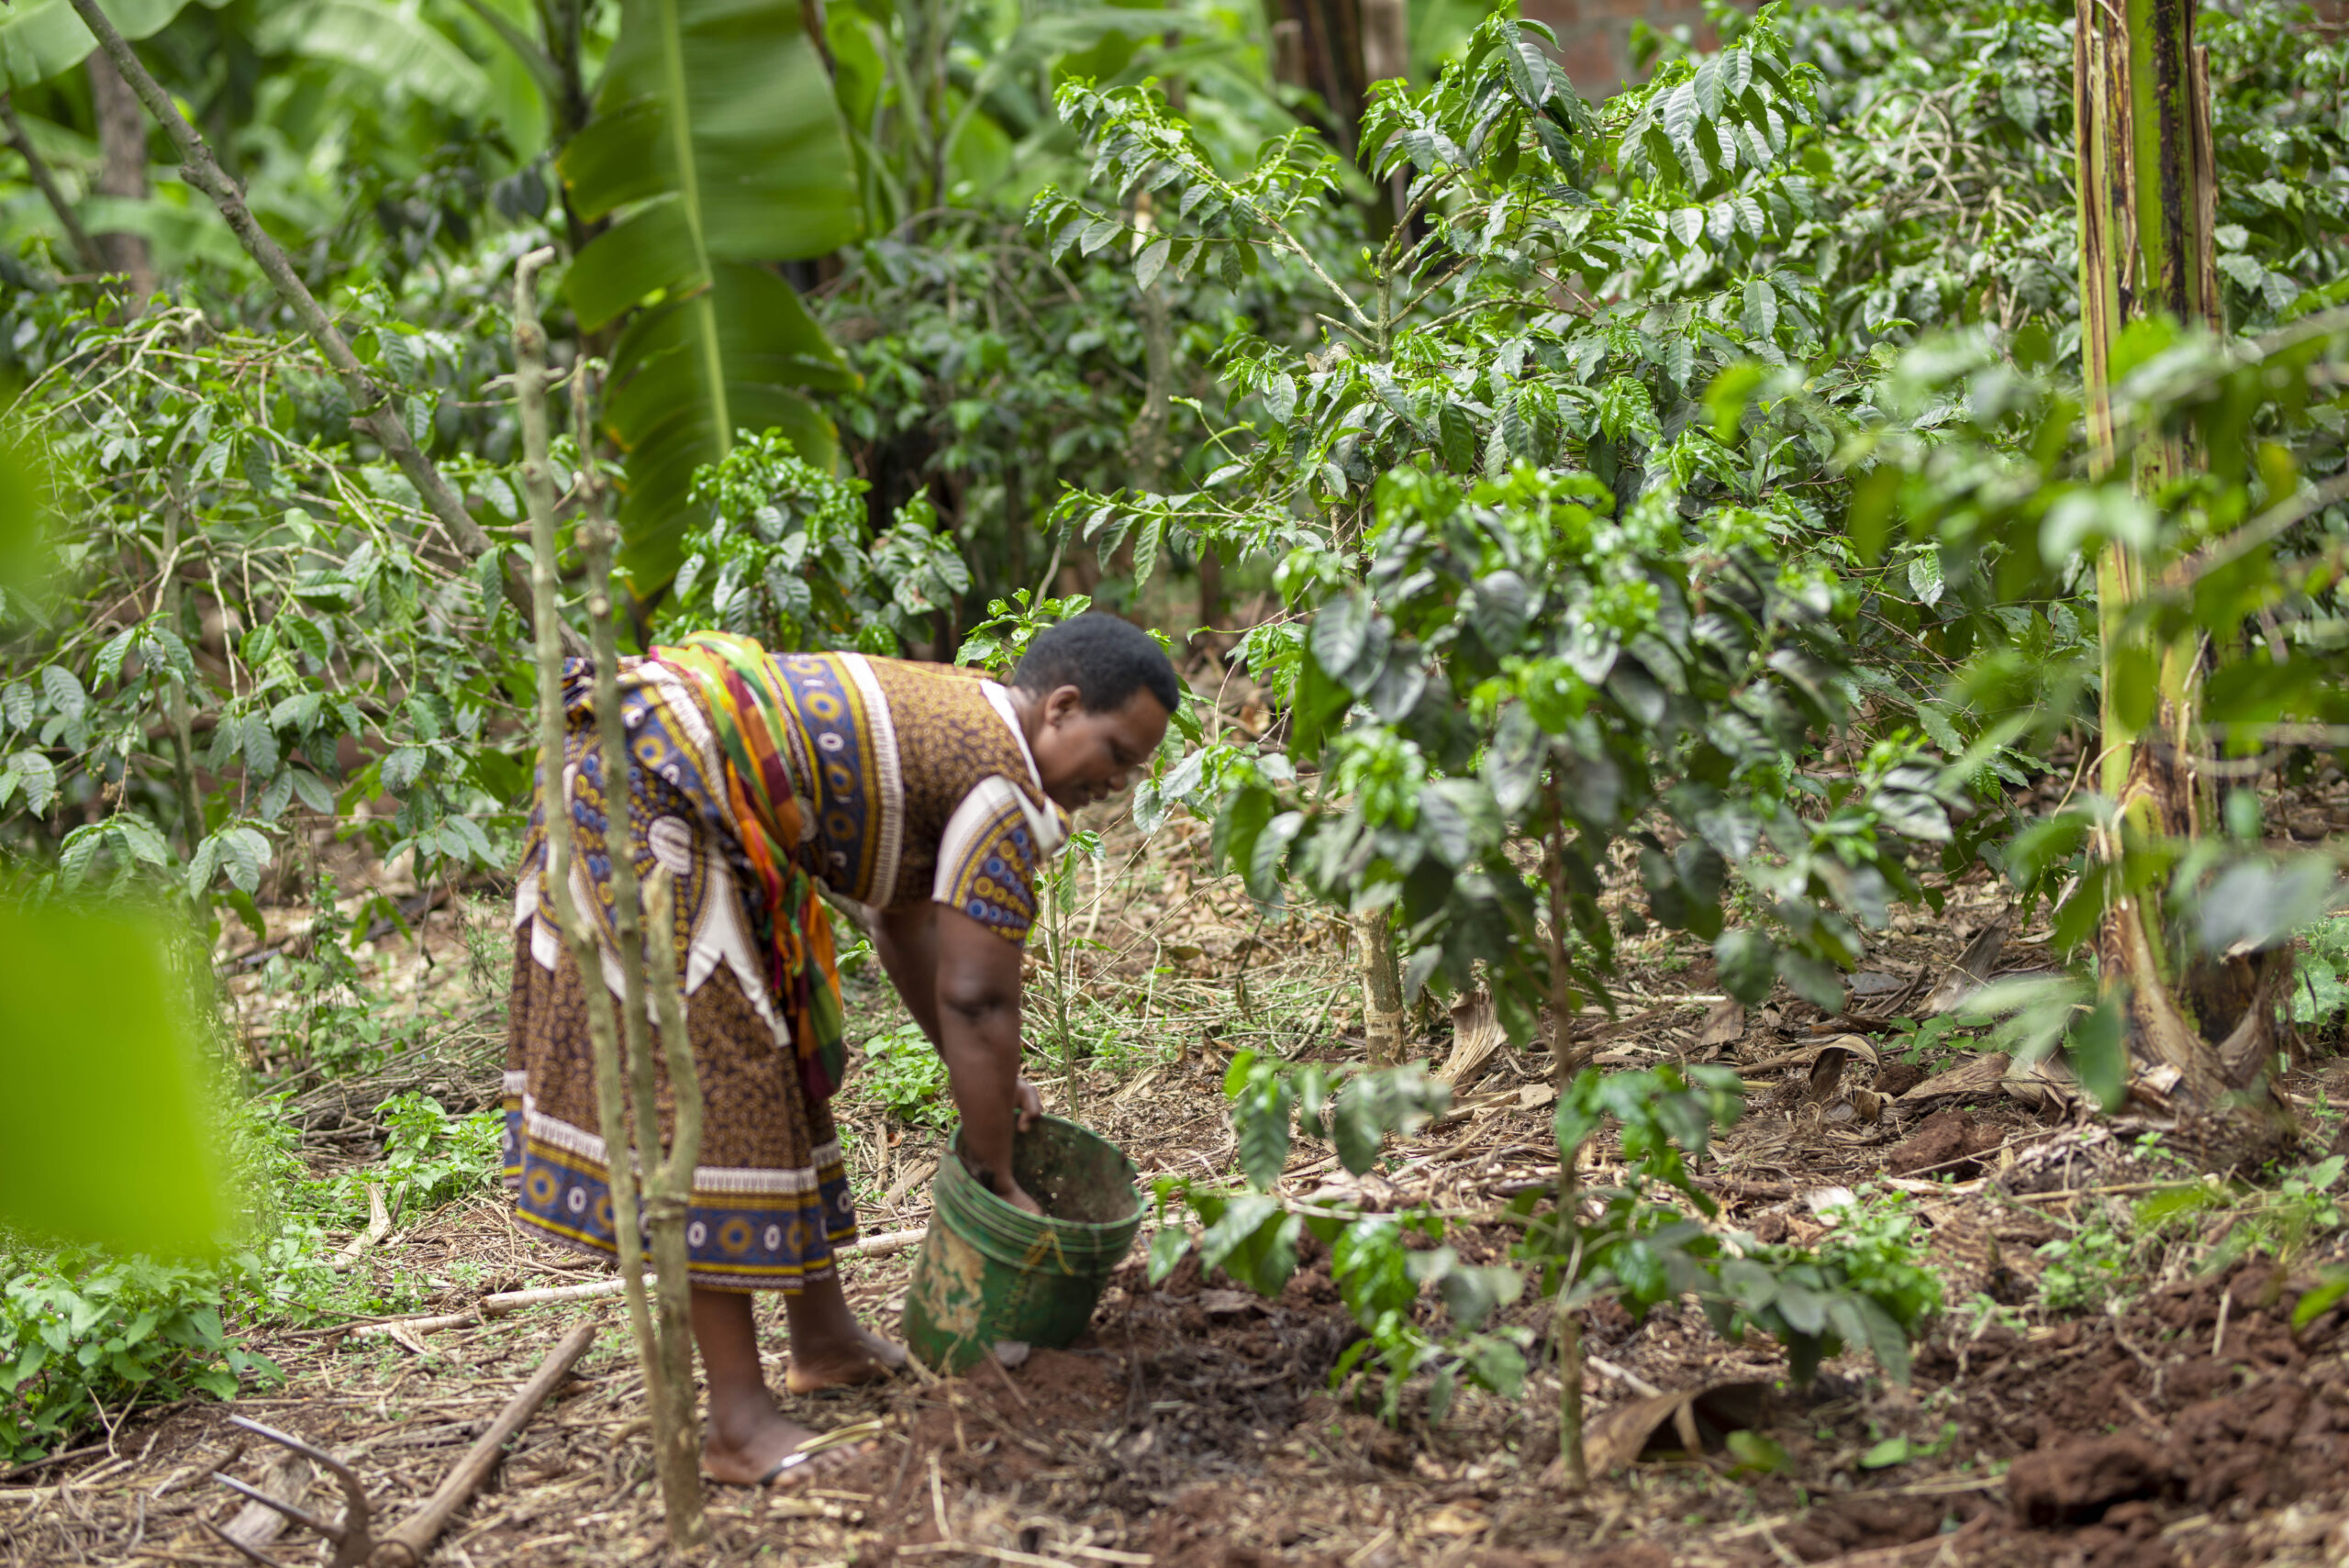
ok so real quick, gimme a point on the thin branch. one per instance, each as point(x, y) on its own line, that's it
point(84, 246)
point(378, 417)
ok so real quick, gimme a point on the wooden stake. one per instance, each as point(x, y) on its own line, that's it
point(1382, 987)
point(665, 1355)
point(406, 1546)
point(669, 1194)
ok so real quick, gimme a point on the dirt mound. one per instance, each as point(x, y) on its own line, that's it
point(2124, 1433)
point(1945, 1143)
point(1179, 1393)
point(1864, 1524)
point(2078, 1483)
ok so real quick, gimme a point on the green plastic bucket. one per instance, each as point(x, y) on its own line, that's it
point(992, 1274)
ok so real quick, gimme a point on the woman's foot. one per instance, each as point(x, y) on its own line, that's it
point(751, 1449)
point(830, 1349)
point(819, 1361)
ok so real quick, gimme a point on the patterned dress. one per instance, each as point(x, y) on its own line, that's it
point(913, 782)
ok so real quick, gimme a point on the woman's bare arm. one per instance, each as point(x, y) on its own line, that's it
point(978, 1015)
point(906, 940)
point(960, 982)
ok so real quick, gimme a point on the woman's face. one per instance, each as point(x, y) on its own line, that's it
point(1085, 757)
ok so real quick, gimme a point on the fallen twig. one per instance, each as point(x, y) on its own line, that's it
point(67, 1457)
point(1000, 1553)
point(379, 1225)
point(503, 1302)
point(355, 1544)
point(407, 1545)
point(2060, 1194)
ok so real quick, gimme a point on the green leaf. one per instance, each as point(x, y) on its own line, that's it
point(139, 837)
point(1459, 819)
point(1151, 262)
point(1498, 610)
point(1925, 577)
point(1280, 396)
point(314, 791)
point(1755, 1454)
point(1240, 1220)
point(1708, 86)
point(134, 1082)
point(402, 767)
point(2098, 1047)
point(1812, 981)
point(42, 39)
point(717, 129)
point(37, 777)
point(1889, 1452)
point(1260, 1119)
point(394, 44)
point(1512, 766)
point(1266, 854)
point(1745, 962)
point(1339, 631)
point(1167, 1250)
point(261, 746)
point(1640, 1269)
point(2319, 1299)
point(1883, 1336)
point(1801, 1308)
point(1456, 437)
point(1147, 539)
point(65, 692)
point(1474, 1293)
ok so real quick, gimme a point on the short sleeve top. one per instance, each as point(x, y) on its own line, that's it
point(916, 782)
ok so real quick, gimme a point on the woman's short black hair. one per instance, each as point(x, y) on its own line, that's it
point(1105, 659)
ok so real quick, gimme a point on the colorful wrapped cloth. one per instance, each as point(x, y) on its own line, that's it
point(753, 779)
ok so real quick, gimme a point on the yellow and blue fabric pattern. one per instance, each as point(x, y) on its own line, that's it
point(749, 774)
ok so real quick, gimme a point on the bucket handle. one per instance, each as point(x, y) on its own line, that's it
point(1045, 1242)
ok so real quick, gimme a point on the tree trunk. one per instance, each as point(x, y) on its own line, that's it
point(1210, 585)
point(122, 170)
point(1382, 987)
point(1328, 60)
point(1146, 441)
point(1386, 56)
point(2148, 202)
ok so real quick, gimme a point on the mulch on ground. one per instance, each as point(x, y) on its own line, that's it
point(1194, 1426)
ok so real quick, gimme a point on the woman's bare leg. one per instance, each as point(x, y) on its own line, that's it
point(830, 1349)
point(747, 1435)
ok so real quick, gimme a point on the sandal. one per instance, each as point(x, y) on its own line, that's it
point(839, 1437)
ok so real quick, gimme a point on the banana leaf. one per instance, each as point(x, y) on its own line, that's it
point(718, 149)
point(42, 39)
point(396, 46)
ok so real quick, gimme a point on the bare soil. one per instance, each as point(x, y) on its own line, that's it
point(1196, 1425)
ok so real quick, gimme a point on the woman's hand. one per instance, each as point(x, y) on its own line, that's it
point(1026, 1103)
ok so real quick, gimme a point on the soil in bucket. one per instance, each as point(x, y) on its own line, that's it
point(1085, 1179)
point(992, 1275)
